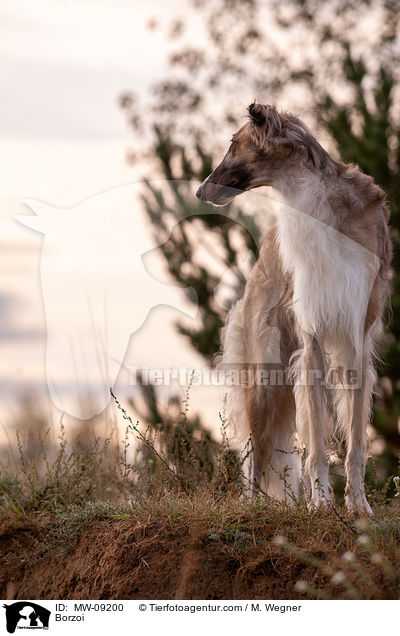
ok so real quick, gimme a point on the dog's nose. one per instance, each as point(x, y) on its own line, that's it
point(199, 194)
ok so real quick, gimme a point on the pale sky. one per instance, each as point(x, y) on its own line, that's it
point(64, 62)
point(63, 138)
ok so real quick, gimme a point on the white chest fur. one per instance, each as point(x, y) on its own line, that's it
point(332, 276)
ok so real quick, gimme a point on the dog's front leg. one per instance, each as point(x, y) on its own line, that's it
point(316, 466)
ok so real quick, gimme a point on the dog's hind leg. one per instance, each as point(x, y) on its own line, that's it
point(360, 402)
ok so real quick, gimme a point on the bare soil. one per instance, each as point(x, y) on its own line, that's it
point(121, 559)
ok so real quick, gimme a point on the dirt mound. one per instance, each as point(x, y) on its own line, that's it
point(120, 559)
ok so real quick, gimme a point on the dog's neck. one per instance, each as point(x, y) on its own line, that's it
point(306, 191)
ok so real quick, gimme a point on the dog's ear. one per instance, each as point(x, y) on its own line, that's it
point(257, 114)
point(266, 120)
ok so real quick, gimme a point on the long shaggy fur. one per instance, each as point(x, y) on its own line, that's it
point(320, 286)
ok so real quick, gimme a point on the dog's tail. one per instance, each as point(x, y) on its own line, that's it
point(273, 464)
point(233, 359)
point(282, 475)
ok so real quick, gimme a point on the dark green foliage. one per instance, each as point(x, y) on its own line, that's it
point(189, 217)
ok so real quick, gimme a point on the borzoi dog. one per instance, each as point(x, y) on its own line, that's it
point(321, 279)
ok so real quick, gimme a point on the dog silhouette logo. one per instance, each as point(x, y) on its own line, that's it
point(100, 280)
point(26, 615)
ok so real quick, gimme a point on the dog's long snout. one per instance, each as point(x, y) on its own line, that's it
point(228, 180)
point(215, 193)
point(199, 193)
point(207, 190)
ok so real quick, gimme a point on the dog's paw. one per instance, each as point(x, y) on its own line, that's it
point(357, 504)
point(321, 500)
point(319, 503)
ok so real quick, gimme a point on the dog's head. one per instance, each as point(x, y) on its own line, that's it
point(258, 154)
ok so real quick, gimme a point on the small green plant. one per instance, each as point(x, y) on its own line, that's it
point(45, 484)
